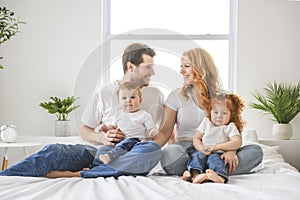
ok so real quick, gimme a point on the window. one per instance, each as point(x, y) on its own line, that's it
point(171, 27)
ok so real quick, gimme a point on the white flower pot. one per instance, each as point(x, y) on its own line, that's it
point(282, 131)
point(63, 128)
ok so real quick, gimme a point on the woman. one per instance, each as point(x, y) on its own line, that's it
point(184, 111)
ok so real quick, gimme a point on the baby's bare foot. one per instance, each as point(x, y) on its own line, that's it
point(211, 175)
point(104, 158)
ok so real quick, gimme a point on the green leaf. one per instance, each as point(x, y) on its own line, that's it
point(60, 107)
point(281, 100)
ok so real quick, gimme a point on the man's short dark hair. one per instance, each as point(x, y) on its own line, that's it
point(134, 52)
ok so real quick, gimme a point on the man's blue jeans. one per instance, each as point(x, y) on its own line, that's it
point(138, 161)
point(63, 157)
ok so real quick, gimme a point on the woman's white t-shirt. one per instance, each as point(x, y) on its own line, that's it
point(189, 115)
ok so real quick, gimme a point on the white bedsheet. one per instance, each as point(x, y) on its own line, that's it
point(253, 186)
point(273, 179)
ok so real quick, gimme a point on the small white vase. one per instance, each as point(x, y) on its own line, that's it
point(282, 131)
point(62, 128)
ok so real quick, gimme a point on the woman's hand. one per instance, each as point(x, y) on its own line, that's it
point(230, 158)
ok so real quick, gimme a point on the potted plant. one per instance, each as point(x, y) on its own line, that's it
point(61, 108)
point(282, 101)
point(9, 26)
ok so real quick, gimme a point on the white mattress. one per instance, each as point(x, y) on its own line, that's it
point(273, 179)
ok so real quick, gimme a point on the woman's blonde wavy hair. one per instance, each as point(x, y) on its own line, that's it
point(205, 74)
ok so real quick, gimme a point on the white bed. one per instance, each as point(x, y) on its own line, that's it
point(273, 179)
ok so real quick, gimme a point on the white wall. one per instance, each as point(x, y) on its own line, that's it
point(59, 35)
point(268, 49)
point(44, 60)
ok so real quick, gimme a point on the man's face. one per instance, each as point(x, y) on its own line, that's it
point(143, 72)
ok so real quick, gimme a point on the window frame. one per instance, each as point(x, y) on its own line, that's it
point(230, 37)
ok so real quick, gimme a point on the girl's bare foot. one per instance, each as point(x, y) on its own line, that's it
point(104, 158)
point(186, 176)
point(211, 175)
point(199, 178)
point(61, 174)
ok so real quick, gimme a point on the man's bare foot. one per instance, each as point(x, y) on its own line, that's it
point(104, 158)
point(186, 176)
point(61, 174)
point(211, 175)
point(199, 178)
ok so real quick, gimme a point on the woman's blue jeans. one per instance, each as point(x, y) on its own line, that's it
point(175, 158)
point(64, 157)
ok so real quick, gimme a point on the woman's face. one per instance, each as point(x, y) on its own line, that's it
point(186, 70)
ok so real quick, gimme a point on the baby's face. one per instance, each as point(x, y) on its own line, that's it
point(220, 114)
point(129, 100)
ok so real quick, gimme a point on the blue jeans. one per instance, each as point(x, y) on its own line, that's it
point(63, 157)
point(175, 158)
point(201, 162)
point(120, 149)
point(138, 161)
point(52, 157)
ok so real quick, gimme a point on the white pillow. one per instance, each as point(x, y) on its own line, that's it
point(273, 162)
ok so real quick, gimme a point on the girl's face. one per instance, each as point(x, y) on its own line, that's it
point(129, 100)
point(220, 114)
point(186, 70)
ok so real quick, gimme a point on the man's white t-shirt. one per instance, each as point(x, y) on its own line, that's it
point(103, 105)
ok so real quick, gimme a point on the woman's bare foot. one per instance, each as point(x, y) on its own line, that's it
point(104, 158)
point(186, 176)
point(211, 175)
point(199, 178)
point(61, 174)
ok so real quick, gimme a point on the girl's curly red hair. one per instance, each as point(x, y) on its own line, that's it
point(235, 105)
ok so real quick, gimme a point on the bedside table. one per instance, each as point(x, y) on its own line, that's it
point(34, 144)
point(289, 150)
point(15, 145)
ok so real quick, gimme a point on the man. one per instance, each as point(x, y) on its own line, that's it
point(59, 160)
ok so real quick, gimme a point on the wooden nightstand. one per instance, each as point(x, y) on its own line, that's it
point(289, 149)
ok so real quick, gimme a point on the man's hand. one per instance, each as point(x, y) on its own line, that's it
point(113, 136)
point(230, 158)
